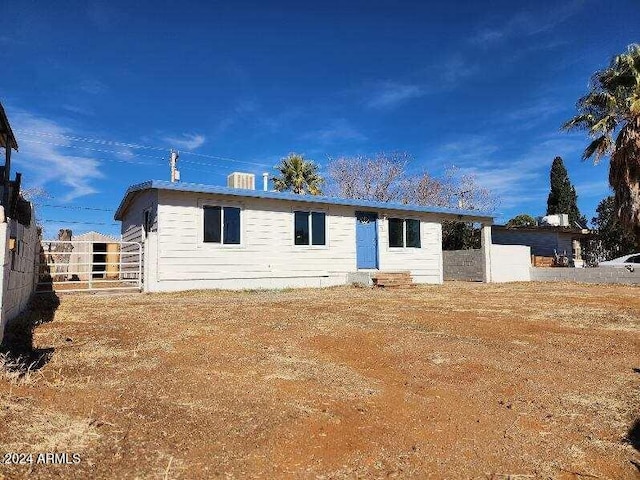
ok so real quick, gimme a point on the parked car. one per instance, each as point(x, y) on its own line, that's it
point(632, 260)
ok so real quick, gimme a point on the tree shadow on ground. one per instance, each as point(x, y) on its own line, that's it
point(17, 348)
point(633, 435)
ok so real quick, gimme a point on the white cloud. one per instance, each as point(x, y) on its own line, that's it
point(337, 131)
point(517, 180)
point(44, 161)
point(526, 24)
point(188, 141)
point(391, 94)
point(595, 189)
point(93, 86)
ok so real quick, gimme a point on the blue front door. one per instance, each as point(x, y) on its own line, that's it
point(367, 240)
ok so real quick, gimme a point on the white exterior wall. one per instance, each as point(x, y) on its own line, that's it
point(18, 276)
point(132, 230)
point(176, 257)
point(425, 263)
point(510, 263)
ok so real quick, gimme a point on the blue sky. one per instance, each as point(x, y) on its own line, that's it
point(482, 87)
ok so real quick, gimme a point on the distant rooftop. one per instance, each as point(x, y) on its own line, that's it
point(468, 215)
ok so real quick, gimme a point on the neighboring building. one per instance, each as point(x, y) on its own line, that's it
point(200, 236)
point(544, 240)
point(94, 255)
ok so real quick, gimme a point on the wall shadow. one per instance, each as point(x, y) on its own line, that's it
point(17, 345)
point(633, 435)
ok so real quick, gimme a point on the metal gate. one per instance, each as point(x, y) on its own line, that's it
point(83, 266)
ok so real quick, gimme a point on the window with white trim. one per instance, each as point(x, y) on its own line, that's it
point(221, 225)
point(309, 228)
point(404, 233)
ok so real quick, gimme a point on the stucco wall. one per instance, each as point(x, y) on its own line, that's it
point(510, 263)
point(18, 272)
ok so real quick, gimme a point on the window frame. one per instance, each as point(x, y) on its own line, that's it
point(310, 245)
point(404, 246)
point(202, 203)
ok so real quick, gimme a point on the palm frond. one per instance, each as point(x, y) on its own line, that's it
point(583, 121)
point(598, 148)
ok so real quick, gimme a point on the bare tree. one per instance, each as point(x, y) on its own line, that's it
point(380, 178)
point(463, 191)
point(384, 178)
point(424, 190)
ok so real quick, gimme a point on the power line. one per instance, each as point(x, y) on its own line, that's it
point(129, 154)
point(224, 159)
point(89, 140)
point(76, 207)
point(46, 220)
point(227, 160)
point(62, 145)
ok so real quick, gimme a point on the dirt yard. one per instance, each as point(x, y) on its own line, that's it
point(455, 381)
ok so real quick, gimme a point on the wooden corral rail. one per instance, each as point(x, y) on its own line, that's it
point(392, 279)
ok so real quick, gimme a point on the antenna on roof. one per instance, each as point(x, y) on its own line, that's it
point(175, 173)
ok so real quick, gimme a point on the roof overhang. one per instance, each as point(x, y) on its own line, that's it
point(7, 139)
point(447, 213)
point(544, 229)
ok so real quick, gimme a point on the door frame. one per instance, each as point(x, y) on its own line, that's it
point(377, 239)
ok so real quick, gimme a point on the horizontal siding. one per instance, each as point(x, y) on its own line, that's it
point(425, 263)
point(132, 230)
point(267, 249)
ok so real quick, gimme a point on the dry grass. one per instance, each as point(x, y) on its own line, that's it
point(457, 381)
point(18, 371)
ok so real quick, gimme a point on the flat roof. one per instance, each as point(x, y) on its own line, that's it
point(544, 229)
point(469, 215)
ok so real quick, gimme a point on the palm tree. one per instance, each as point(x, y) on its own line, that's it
point(612, 109)
point(298, 175)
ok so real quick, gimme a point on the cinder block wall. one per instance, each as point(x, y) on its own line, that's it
point(465, 265)
point(18, 274)
point(586, 275)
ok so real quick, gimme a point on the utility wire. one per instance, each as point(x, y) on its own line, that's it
point(224, 159)
point(127, 145)
point(76, 207)
point(46, 220)
point(90, 140)
point(62, 145)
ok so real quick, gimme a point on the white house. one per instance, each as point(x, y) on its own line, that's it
point(203, 236)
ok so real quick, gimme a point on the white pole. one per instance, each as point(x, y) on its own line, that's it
point(174, 162)
point(265, 181)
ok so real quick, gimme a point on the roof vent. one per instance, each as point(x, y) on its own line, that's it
point(246, 181)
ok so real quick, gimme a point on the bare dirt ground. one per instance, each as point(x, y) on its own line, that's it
point(455, 381)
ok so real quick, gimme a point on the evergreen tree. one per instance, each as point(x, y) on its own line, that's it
point(611, 240)
point(563, 197)
point(522, 220)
